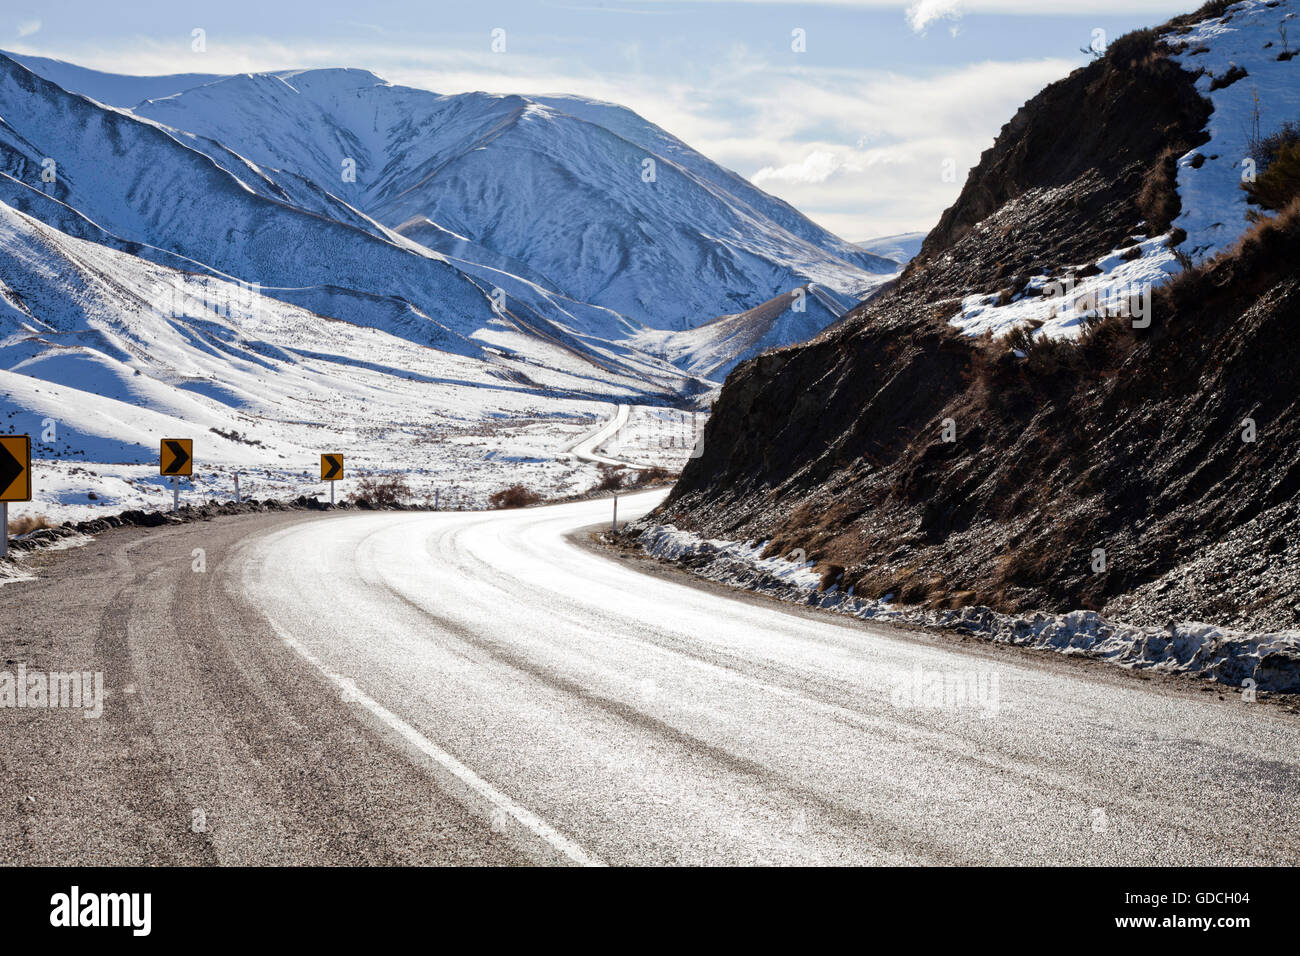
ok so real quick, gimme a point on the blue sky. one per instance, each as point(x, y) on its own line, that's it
point(854, 130)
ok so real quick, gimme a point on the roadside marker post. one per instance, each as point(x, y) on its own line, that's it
point(331, 470)
point(176, 461)
point(238, 500)
point(15, 479)
point(613, 525)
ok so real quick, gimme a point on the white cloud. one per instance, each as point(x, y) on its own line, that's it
point(817, 167)
point(925, 12)
point(28, 27)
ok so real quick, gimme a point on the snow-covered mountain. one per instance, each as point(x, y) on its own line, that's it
point(901, 247)
point(197, 248)
point(604, 218)
point(600, 205)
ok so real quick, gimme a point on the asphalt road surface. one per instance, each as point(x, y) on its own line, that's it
point(486, 688)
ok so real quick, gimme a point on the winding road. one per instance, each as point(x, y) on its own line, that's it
point(491, 688)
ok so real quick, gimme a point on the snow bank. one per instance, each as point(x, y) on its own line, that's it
point(1269, 661)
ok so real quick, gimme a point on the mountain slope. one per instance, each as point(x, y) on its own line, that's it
point(713, 349)
point(911, 460)
point(111, 89)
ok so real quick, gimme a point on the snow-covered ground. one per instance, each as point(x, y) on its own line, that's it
point(1265, 661)
point(1122, 287)
point(460, 459)
point(1214, 206)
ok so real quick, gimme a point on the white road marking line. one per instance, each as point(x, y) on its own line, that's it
point(525, 817)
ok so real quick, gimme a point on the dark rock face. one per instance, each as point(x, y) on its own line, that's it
point(1129, 443)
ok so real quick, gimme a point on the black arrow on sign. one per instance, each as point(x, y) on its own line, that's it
point(179, 457)
point(335, 466)
point(11, 469)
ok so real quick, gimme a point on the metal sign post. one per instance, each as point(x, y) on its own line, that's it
point(176, 460)
point(15, 479)
point(331, 471)
point(613, 525)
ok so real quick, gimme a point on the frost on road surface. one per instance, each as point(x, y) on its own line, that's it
point(598, 714)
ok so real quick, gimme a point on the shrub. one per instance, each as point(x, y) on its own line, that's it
point(1134, 49)
point(616, 478)
point(380, 491)
point(1278, 180)
point(612, 477)
point(1021, 339)
point(1265, 149)
point(516, 496)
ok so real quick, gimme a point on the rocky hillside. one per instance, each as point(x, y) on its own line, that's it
point(1144, 465)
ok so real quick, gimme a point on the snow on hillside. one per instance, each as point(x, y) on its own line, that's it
point(1214, 206)
point(111, 89)
point(1246, 37)
point(655, 141)
point(901, 248)
point(715, 348)
point(1121, 284)
point(142, 185)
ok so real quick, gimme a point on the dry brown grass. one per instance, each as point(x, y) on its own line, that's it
point(1279, 181)
point(619, 478)
point(26, 524)
point(653, 476)
point(1265, 246)
point(1158, 200)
